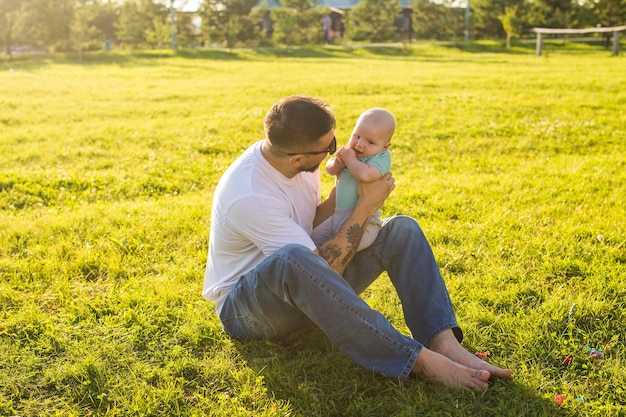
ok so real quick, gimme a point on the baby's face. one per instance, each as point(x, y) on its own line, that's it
point(367, 140)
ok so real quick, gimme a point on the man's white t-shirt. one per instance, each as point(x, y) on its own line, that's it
point(256, 211)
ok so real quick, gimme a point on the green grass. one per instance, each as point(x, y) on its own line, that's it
point(514, 166)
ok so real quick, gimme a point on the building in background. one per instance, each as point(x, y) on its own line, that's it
point(338, 13)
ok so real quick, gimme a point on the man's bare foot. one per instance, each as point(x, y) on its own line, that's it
point(437, 368)
point(447, 345)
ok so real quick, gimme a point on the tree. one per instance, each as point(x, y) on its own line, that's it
point(285, 26)
point(511, 24)
point(610, 12)
point(160, 33)
point(186, 31)
point(8, 15)
point(553, 13)
point(106, 17)
point(228, 21)
point(298, 22)
point(439, 21)
point(45, 23)
point(59, 24)
point(83, 30)
point(373, 20)
point(486, 15)
point(136, 21)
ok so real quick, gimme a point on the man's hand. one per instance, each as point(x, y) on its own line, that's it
point(372, 195)
point(339, 250)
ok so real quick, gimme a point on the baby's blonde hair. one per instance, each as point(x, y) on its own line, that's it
point(382, 118)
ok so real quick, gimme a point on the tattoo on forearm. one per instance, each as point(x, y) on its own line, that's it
point(330, 252)
point(355, 233)
point(338, 256)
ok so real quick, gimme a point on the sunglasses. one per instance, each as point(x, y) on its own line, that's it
point(331, 149)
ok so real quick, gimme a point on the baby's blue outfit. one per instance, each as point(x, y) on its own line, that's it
point(346, 198)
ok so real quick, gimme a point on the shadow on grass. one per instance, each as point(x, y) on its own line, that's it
point(159, 58)
point(527, 46)
point(492, 47)
point(417, 50)
point(308, 372)
point(153, 58)
point(119, 58)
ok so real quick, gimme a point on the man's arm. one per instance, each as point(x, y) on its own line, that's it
point(325, 209)
point(339, 250)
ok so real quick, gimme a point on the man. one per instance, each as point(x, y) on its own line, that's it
point(326, 27)
point(267, 277)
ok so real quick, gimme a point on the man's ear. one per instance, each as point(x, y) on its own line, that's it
point(295, 160)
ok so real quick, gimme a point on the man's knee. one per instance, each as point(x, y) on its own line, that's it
point(294, 251)
point(400, 226)
point(301, 259)
point(401, 233)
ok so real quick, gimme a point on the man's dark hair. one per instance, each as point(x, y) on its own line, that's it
point(298, 122)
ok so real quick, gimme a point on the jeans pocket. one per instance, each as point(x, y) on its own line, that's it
point(246, 327)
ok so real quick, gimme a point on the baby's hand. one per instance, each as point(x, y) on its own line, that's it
point(339, 161)
point(335, 165)
point(346, 153)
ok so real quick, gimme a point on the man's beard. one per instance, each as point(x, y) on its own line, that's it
point(310, 169)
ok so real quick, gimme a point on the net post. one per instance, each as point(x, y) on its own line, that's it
point(539, 42)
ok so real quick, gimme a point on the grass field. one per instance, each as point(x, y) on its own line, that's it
point(515, 166)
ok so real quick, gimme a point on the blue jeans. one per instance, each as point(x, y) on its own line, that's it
point(295, 286)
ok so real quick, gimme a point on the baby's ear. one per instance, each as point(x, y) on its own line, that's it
point(387, 145)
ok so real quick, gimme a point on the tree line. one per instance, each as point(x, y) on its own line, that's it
point(77, 25)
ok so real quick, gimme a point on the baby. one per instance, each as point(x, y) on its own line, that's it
point(365, 158)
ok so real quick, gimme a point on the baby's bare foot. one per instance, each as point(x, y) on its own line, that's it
point(436, 367)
